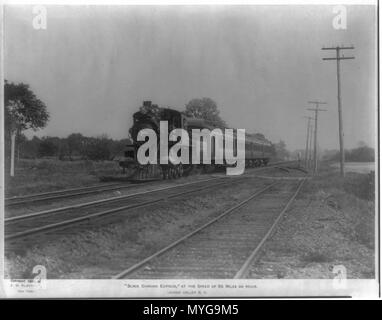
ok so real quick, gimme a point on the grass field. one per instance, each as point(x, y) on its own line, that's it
point(43, 175)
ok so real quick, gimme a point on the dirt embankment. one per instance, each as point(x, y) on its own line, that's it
point(103, 250)
point(330, 224)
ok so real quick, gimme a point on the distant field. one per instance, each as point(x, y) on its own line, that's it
point(41, 175)
point(358, 167)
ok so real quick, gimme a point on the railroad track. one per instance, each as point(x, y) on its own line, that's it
point(44, 221)
point(76, 192)
point(226, 246)
point(62, 194)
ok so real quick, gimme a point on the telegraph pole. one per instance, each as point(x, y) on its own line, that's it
point(311, 146)
point(316, 110)
point(307, 141)
point(341, 133)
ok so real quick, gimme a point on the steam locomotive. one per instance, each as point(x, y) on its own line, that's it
point(258, 150)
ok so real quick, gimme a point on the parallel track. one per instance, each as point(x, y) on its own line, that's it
point(76, 192)
point(66, 193)
point(226, 246)
point(40, 222)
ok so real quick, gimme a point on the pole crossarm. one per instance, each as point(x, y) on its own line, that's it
point(317, 102)
point(337, 48)
point(316, 109)
point(341, 58)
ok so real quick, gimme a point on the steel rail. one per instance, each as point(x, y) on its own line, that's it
point(242, 273)
point(32, 195)
point(68, 194)
point(101, 201)
point(175, 243)
point(114, 210)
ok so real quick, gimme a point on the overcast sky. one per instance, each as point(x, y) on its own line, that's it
point(93, 66)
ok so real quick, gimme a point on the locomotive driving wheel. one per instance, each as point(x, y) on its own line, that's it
point(180, 170)
point(164, 172)
point(171, 173)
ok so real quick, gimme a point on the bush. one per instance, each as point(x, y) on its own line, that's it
point(47, 148)
point(361, 154)
point(74, 147)
point(360, 185)
point(98, 148)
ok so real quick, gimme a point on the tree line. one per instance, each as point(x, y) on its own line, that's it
point(73, 147)
point(360, 154)
point(23, 110)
